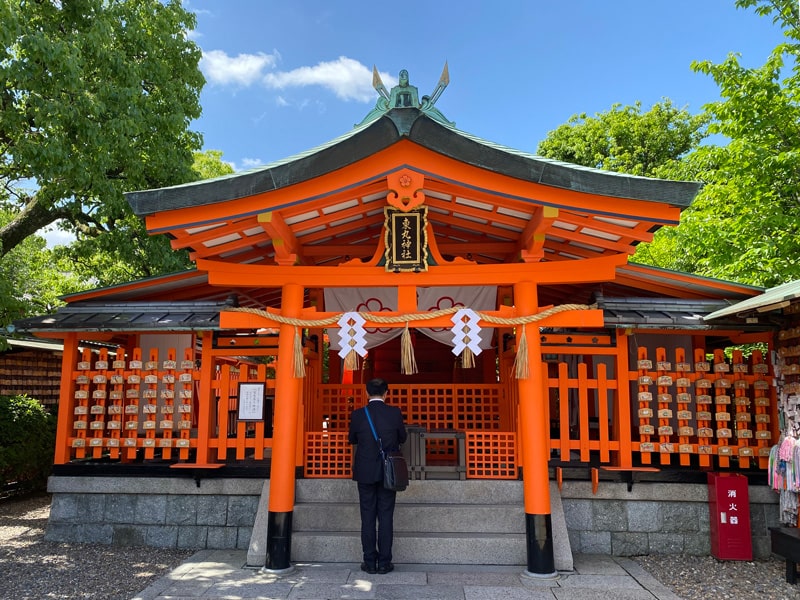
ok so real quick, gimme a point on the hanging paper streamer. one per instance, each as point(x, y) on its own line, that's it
point(352, 338)
point(466, 335)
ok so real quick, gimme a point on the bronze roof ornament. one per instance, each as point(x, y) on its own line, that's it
point(405, 95)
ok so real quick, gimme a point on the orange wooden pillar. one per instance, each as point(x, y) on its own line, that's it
point(205, 412)
point(535, 434)
point(66, 400)
point(285, 438)
point(622, 408)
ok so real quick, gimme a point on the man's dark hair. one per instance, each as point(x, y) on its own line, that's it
point(377, 387)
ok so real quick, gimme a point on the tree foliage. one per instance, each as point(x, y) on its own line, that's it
point(625, 139)
point(96, 98)
point(744, 224)
point(32, 278)
point(209, 164)
point(27, 442)
point(127, 251)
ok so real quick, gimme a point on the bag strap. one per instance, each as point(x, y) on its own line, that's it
point(375, 433)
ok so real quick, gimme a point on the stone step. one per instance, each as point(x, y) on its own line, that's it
point(446, 518)
point(495, 492)
point(436, 522)
point(414, 548)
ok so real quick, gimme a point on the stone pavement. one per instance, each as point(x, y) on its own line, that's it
point(222, 574)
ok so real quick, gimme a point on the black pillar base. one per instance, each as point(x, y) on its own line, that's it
point(539, 545)
point(279, 540)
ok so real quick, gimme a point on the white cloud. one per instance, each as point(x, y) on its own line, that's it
point(249, 163)
point(242, 70)
point(348, 79)
point(56, 236)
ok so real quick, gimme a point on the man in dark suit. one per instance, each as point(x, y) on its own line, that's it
point(376, 502)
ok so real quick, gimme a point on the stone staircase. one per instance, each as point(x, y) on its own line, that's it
point(435, 522)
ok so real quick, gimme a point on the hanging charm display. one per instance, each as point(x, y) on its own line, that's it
point(466, 336)
point(352, 338)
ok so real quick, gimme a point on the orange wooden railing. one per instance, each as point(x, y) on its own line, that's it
point(482, 411)
point(139, 408)
point(679, 410)
point(233, 433)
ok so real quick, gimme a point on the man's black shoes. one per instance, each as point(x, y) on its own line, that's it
point(380, 569)
point(369, 568)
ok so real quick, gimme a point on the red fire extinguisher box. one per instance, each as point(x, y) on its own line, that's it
point(729, 511)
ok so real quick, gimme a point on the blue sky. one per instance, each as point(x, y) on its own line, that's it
point(285, 76)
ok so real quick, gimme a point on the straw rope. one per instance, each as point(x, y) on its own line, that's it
point(467, 358)
point(408, 362)
point(299, 361)
point(351, 360)
point(422, 316)
point(521, 370)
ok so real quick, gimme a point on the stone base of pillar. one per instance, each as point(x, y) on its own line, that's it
point(279, 541)
point(539, 544)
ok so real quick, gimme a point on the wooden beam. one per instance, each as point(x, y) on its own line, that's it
point(499, 249)
point(639, 233)
point(571, 318)
point(582, 271)
point(589, 240)
point(287, 248)
point(244, 244)
point(321, 250)
point(533, 238)
point(184, 239)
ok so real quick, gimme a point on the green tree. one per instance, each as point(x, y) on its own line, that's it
point(625, 139)
point(96, 98)
point(27, 442)
point(209, 164)
point(127, 252)
point(32, 278)
point(745, 223)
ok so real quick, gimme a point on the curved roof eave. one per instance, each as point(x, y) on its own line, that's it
point(412, 124)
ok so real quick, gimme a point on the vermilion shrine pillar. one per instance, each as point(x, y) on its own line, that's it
point(533, 430)
point(67, 398)
point(284, 442)
point(206, 423)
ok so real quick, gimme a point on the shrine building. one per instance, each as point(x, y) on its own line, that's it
point(490, 287)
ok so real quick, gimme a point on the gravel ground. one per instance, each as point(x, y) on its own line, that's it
point(705, 577)
point(33, 569)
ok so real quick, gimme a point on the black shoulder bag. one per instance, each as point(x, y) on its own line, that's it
point(395, 469)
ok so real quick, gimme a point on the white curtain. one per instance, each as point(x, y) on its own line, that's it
point(438, 298)
point(363, 300)
point(428, 299)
